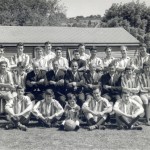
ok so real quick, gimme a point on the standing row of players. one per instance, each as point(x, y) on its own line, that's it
point(83, 83)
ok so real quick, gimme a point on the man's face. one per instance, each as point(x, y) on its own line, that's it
point(129, 72)
point(123, 52)
point(48, 98)
point(82, 49)
point(20, 49)
point(72, 102)
point(21, 70)
point(1, 51)
point(142, 51)
point(48, 48)
point(93, 53)
point(96, 94)
point(20, 92)
point(125, 98)
point(3, 67)
point(56, 65)
point(112, 69)
point(77, 55)
point(74, 66)
point(108, 52)
point(39, 52)
point(58, 53)
point(36, 68)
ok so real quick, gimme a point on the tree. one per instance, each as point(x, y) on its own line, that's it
point(133, 16)
point(31, 12)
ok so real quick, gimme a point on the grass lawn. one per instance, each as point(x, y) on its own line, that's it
point(38, 138)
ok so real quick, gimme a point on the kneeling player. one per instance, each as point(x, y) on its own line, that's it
point(48, 111)
point(71, 112)
point(96, 109)
point(19, 109)
point(127, 112)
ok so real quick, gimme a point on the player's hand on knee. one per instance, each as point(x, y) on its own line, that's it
point(134, 116)
point(99, 114)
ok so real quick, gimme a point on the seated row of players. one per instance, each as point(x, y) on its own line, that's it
point(48, 111)
point(81, 85)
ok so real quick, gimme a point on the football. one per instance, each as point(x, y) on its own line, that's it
point(69, 125)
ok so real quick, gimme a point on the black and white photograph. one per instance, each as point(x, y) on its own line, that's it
point(74, 74)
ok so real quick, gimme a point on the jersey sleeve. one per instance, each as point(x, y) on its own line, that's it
point(106, 103)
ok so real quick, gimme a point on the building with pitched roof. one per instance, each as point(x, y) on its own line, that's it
point(66, 37)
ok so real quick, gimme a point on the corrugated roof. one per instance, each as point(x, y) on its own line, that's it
point(34, 34)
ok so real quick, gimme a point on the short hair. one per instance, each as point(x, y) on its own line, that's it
point(76, 51)
point(107, 47)
point(58, 48)
point(49, 92)
point(47, 43)
point(74, 61)
point(71, 96)
point(20, 44)
point(19, 88)
point(111, 65)
point(39, 48)
point(143, 45)
point(3, 62)
point(128, 68)
point(124, 92)
point(123, 46)
point(96, 88)
point(20, 65)
point(2, 47)
point(81, 44)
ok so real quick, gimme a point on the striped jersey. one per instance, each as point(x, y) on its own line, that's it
point(72, 112)
point(47, 110)
point(96, 61)
point(139, 61)
point(42, 62)
point(50, 56)
point(18, 105)
point(85, 56)
point(123, 62)
point(106, 61)
point(24, 58)
point(63, 62)
point(132, 82)
point(98, 106)
point(19, 79)
point(144, 82)
point(2, 58)
point(130, 108)
point(6, 78)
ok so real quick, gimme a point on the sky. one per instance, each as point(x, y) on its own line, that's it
point(91, 7)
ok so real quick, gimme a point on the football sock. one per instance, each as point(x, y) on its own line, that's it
point(92, 121)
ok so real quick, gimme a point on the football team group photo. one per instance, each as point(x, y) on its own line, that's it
point(74, 74)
